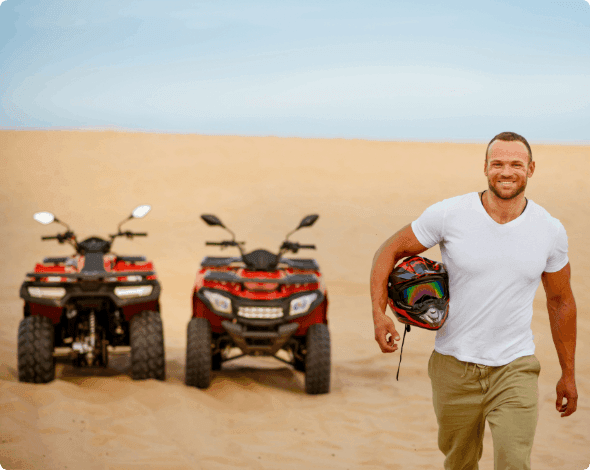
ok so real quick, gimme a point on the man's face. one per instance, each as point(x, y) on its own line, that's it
point(507, 168)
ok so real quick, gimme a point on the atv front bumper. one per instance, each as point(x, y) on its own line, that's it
point(256, 341)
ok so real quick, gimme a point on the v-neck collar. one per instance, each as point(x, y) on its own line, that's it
point(513, 222)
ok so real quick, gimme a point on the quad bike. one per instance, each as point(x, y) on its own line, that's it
point(261, 303)
point(87, 302)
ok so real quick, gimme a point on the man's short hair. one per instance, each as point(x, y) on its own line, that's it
point(511, 137)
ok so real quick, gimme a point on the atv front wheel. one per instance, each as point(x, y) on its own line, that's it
point(198, 353)
point(317, 360)
point(35, 350)
point(147, 346)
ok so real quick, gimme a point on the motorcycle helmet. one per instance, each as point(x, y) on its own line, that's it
point(418, 291)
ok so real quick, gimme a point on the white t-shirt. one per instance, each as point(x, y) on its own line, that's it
point(494, 271)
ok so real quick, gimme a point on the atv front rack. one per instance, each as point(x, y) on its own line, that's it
point(288, 280)
point(90, 285)
point(92, 275)
point(307, 264)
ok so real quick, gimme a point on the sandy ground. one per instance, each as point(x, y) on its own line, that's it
point(255, 414)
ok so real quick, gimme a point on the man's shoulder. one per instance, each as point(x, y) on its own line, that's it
point(540, 214)
point(463, 201)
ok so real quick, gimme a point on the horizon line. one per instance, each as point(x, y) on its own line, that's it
point(156, 131)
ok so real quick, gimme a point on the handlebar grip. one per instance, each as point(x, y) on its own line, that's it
point(140, 234)
point(309, 247)
point(213, 243)
point(49, 238)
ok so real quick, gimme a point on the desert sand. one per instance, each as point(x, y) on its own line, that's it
point(256, 415)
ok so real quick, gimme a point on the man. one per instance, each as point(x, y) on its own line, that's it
point(496, 246)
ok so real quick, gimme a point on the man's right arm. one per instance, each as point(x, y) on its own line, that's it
point(400, 245)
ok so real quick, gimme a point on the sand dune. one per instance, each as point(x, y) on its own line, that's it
point(255, 415)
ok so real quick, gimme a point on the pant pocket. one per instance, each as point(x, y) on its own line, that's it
point(430, 365)
point(538, 364)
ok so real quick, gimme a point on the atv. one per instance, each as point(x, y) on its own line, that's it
point(87, 302)
point(261, 303)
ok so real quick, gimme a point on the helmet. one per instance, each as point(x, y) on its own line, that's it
point(418, 291)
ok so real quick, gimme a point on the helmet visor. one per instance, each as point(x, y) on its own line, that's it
point(427, 290)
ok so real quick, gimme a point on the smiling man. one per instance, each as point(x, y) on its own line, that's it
point(497, 246)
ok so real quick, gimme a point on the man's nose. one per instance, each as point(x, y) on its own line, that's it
point(507, 170)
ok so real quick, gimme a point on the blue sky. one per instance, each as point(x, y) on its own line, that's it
point(382, 70)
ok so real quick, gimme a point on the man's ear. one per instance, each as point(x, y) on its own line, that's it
point(531, 169)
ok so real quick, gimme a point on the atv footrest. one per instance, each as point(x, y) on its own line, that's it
point(132, 259)
point(55, 260)
point(218, 261)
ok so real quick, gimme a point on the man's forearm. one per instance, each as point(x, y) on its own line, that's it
point(383, 263)
point(562, 317)
point(398, 246)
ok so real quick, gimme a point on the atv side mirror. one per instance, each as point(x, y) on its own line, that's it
point(212, 220)
point(44, 217)
point(141, 211)
point(308, 221)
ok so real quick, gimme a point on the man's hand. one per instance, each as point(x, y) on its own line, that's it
point(566, 388)
point(384, 326)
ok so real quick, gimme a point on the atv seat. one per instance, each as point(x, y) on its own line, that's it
point(93, 264)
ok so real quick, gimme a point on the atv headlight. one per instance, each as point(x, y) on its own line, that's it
point(47, 292)
point(219, 302)
point(135, 291)
point(302, 304)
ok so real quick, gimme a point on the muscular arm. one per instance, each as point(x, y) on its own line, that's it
point(562, 318)
point(400, 245)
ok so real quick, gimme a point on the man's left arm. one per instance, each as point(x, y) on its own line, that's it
point(562, 318)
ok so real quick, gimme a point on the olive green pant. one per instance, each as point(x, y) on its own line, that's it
point(465, 395)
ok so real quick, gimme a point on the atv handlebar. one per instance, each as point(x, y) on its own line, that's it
point(61, 237)
point(295, 247)
point(225, 243)
point(129, 234)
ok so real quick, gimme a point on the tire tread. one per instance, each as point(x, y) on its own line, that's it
point(317, 360)
point(35, 350)
point(147, 346)
point(199, 360)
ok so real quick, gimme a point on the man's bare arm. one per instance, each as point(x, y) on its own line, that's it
point(400, 245)
point(562, 318)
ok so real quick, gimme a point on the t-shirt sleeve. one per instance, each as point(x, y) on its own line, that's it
point(428, 228)
point(558, 256)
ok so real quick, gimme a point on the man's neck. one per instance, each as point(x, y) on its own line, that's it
point(503, 211)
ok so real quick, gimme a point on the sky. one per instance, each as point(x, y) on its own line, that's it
point(378, 70)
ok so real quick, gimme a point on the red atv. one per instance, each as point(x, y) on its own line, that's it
point(88, 301)
point(260, 303)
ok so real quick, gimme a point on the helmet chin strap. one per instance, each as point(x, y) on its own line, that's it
point(406, 329)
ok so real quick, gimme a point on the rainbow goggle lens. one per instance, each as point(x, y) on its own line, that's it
point(414, 294)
